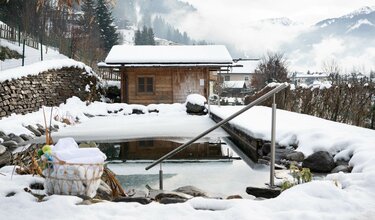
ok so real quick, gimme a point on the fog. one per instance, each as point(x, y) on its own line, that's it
point(236, 22)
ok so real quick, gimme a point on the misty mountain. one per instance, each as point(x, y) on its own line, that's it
point(360, 23)
point(348, 38)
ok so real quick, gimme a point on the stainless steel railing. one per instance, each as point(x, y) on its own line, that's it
point(247, 107)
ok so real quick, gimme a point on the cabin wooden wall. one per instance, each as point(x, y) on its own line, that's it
point(171, 84)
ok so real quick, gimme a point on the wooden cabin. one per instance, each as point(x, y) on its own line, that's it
point(166, 74)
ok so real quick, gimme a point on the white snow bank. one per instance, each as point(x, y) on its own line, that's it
point(159, 120)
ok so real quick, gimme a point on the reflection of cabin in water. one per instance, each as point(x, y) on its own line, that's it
point(154, 149)
point(166, 74)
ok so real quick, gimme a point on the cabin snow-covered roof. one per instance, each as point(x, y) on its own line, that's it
point(244, 67)
point(200, 55)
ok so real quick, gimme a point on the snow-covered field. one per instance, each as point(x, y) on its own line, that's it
point(338, 196)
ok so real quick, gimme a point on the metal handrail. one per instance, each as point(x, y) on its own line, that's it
point(247, 107)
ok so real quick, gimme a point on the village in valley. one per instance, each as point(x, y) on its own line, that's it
point(166, 109)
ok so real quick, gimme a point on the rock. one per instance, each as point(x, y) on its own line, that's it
point(137, 111)
point(341, 168)
point(5, 138)
point(56, 126)
point(17, 139)
point(5, 158)
point(295, 156)
point(195, 109)
point(10, 144)
point(2, 133)
point(37, 186)
point(263, 192)
point(342, 162)
point(10, 194)
point(234, 197)
point(88, 115)
point(11, 135)
point(321, 162)
point(34, 130)
point(172, 200)
point(177, 195)
point(26, 137)
point(140, 200)
point(41, 129)
point(266, 148)
point(2, 149)
point(191, 190)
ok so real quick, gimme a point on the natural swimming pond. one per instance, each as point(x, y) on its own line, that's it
point(211, 166)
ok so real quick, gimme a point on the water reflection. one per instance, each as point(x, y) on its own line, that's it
point(154, 149)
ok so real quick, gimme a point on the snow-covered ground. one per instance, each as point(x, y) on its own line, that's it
point(31, 55)
point(338, 196)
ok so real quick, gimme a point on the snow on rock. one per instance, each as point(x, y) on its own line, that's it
point(36, 68)
point(196, 99)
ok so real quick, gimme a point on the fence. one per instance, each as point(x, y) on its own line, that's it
point(108, 74)
point(15, 35)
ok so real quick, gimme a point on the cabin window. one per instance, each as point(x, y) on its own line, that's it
point(246, 78)
point(226, 78)
point(145, 84)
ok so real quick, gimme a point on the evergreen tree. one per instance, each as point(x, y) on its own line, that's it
point(144, 36)
point(107, 28)
point(150, 36)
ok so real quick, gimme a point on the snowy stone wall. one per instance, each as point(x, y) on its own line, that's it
point(49, 88)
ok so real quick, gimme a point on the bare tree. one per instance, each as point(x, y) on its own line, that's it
point(271, 68)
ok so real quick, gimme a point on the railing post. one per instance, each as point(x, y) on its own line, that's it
point(273, 134)
point(161, 178)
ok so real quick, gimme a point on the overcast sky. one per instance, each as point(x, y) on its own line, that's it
point(307, 11)
point(234, 22)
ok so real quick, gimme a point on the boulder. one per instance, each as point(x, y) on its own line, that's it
point(195, 109)
point(172, 195)
point(234, 197)
point(320, 162)
point(341, 168)
point(2, 149)
point(342, 162)
point(5, 158)
point(266, 148)
point(2, 133)
point(191, 190)
point(5, 138)
point(34, 130)
point(263, 192)
point(17, 139)
point(10, 144)
point(26, 137)
point(295, 156)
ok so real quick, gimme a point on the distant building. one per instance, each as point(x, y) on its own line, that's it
point(166, 74)
point(298, 78)
point(236, 80)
